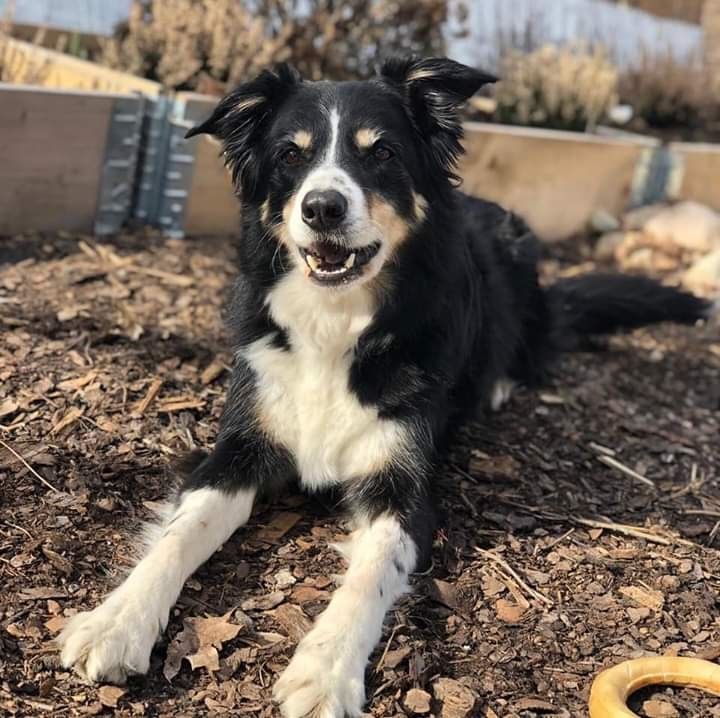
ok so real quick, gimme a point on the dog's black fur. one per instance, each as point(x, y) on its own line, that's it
point(376, 306)
point(465, 308)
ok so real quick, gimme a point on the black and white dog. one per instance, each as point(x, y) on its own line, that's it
point(376, 306)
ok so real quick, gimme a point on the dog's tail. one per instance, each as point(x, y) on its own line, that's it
point(594, 304)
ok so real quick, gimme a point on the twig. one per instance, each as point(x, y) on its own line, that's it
point(635, 531)
point(600, 449)
point(467, 502)
point(381, 662)
point(149, 397)
point(713, 533)
point(506, 566)
point(560, 539)
point(179, 280)
point(24, 462)
point(19, 528)
point(615, 464)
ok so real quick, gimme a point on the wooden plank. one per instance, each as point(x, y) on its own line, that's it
point(555, 180)
point(52, 146)
point(698, 179)
point(212, 207)
point(25, 63)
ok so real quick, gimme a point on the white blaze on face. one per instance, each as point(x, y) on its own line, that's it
point(329, 175)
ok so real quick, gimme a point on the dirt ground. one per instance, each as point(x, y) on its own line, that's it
point(579, 526)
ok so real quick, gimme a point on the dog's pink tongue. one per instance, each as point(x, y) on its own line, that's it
point(329, 253)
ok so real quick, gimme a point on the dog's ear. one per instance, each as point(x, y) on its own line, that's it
point(241, 117)
point(434, 89)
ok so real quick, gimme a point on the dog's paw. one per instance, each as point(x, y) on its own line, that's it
point(109, 643)
point(318, 684)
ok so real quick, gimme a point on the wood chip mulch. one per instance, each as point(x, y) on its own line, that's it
point(580, 526)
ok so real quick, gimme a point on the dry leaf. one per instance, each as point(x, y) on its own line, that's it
point(534, 704)
point(508, 611)
point(494, 465)
point(205, 657)
point(199, 642)
point(78, 383)
point(458, 701)
point(443, 592)
point(70, 418)
point(110, 695)
point(394, 658)
point(56, 624)
point(278, 527)
point(660, 709)
point(292, 619)
point(491, 585)
point(68, 313)
point(9, 406)
point(644, 597)
point(263, 603)
point(306, 594)
point(212, 371)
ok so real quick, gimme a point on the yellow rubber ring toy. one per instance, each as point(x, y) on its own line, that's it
point(611, 689)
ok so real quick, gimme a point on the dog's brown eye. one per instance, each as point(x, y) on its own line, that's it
point(293, 157)
point(382, 153)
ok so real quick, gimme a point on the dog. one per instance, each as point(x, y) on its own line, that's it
point(376, 306)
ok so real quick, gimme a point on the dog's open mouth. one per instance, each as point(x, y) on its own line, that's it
point(329, 263)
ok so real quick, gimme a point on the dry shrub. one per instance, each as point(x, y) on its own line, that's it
point(19, 68)
point(570, 88)
point(669, 94)
point(209, 44)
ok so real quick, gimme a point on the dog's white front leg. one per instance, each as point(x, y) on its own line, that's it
point(326, 677)
point(115, 640)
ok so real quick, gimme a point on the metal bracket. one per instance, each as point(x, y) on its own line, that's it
point(654, 177)
point(122, 148)
point(152, 159)
point(167, 166)
point(177, 174)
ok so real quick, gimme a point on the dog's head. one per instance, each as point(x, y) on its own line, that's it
point(341, 174)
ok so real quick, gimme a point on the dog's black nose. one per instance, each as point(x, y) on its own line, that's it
point(323, 210)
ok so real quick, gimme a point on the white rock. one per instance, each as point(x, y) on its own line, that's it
point(704, 276)
point(607, 244)
point(636, 219)
point(284, 579)
point(602, 221)
point(688, 226)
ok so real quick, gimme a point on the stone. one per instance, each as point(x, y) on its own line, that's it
point(703, 277)
point(284, 579)
point(607, 244)
point(601, 221)
point(688, 226)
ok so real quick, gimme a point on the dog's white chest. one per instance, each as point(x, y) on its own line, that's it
point(304, 399)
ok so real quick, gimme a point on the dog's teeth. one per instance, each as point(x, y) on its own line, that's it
point(350, 261)
point(313, 263)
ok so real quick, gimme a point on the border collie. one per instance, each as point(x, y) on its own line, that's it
point(375, 307)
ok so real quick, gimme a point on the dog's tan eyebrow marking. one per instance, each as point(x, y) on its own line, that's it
point(366, 137)
point(303, 139)
point(247, 103)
